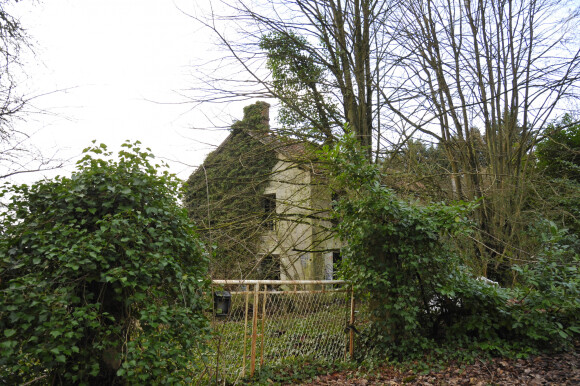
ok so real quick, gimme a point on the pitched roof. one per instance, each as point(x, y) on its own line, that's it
point(256, 125)
point(292, 149)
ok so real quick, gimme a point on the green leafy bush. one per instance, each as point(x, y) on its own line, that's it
point(559, 154)
point(549, 288)
point(558, 158)
point(396, 252)
point(101, 277)
point(421, 293)
point(539, 313)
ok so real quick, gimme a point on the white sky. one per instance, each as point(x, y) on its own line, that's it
point(114, 57)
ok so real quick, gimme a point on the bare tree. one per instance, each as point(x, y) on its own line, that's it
point(17, 156)
point(505, 68)
point(479, 79)
point(331, 50)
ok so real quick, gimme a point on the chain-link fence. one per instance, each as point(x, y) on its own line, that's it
point(264, 322)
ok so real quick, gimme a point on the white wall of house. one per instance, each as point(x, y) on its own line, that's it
point(300, 235)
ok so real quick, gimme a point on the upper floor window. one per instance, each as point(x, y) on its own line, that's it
point(269, 210)
point(334, 203)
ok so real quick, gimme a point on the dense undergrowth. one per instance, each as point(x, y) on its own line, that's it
point(423, 294)
point(101, 277)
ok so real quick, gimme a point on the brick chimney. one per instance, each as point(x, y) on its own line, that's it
point(265, 113)
point(257, 116)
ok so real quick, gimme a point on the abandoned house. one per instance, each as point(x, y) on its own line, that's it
point(263, 203)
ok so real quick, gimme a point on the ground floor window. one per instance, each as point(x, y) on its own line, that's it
point(332, 265)
point(270, 267)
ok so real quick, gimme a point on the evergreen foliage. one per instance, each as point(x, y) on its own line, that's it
point(394, 250)
point(559, 164)
point(299, 84)
point(401, 258)
point(101, 277)
point(559, 153)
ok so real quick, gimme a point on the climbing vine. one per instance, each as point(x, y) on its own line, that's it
point(225, 196)
point(101, 276)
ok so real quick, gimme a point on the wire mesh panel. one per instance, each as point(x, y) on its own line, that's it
point(229, 348)
point(272, 321)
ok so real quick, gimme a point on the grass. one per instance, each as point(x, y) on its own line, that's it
point(297, 330)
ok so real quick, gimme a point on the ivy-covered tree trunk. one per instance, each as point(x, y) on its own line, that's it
point(324, 75)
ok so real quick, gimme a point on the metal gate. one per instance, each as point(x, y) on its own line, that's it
point(270, 321)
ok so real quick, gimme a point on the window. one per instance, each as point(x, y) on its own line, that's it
point(270, 267)
point(269, 210)
point(334, 197)
point(336, 260)
point(332, 266)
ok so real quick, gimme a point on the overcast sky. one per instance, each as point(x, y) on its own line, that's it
point(115, 59)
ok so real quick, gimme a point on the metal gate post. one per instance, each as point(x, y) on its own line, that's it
point(263, 326)
point(245, 335)
point(254, 330)
point(351, 329)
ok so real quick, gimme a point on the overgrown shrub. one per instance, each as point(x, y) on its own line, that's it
point(101, 277)
point(558, 157)
point(400, 257)
point(396, 252)
point(540, 312)
point(548, 292)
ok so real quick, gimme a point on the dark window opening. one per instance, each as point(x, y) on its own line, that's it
point(334, 203)
point(270, 267)
point(336, 261)
point(269, 210)
point(334, 197)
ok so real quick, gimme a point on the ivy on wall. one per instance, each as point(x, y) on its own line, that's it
point(225, 195)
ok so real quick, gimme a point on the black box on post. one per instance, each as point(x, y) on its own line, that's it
point(221, 303)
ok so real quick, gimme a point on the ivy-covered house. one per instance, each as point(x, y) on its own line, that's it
point(262, 202)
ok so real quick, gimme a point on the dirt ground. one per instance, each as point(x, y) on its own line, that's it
point(559, 369)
